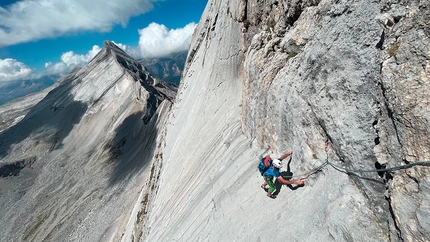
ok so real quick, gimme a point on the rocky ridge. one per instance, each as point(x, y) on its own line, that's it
point(168, 68)
point(73, 167)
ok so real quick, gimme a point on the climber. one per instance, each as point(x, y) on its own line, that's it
point(273, 172)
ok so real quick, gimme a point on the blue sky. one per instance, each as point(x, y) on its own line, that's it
point(41, 37)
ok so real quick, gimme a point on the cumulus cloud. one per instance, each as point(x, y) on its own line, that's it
point(157, 40)
point(13, 70)
point(36, 19)
point(70, 60)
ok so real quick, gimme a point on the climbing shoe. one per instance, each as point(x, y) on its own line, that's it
point(264, 188)
point(272, 196)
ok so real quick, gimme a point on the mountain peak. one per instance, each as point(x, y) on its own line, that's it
point(109, 45)
point(102, 119)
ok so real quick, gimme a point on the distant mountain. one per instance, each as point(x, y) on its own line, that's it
point(19, 89)
point(73, 166)
point(167, 68)
point(14, 111)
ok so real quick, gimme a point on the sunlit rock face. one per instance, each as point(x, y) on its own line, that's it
point(73, 167)
point(105, 156)
point(267, 77)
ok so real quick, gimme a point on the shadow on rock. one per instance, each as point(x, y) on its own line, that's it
point(49, 121)
point(132, 147)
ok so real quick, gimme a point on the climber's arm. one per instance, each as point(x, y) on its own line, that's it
point(286, 155)
point(289, 182)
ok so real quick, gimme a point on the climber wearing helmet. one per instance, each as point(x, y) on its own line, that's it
point(273, 172)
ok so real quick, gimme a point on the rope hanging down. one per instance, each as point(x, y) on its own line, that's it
point(341, 168)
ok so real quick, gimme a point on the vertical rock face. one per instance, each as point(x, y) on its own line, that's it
point(94, 160)
point(269, 76)
point(405, 79)
point(73, 167)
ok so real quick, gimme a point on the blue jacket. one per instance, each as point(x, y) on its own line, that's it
point(272, 172)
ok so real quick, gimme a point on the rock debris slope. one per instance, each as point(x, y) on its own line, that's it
point(13, 112)
point(269, 76)
point(73, 167)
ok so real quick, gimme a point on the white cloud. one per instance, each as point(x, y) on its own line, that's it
point(35, 19)
point(157, 40)
point(131, 51)
point(13, 70)
point(70, 60)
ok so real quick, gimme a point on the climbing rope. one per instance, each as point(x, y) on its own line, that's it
point(316, 169)
point(395, 168)
point(310, 172)
point(346, 170)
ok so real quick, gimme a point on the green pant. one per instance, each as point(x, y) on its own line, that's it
point(269, 181)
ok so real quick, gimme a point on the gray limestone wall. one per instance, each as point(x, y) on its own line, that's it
point(296, 74)
point(357, 74)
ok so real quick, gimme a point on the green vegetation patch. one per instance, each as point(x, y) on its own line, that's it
point(393, 50)
point(291, 55)
point(270, 24)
